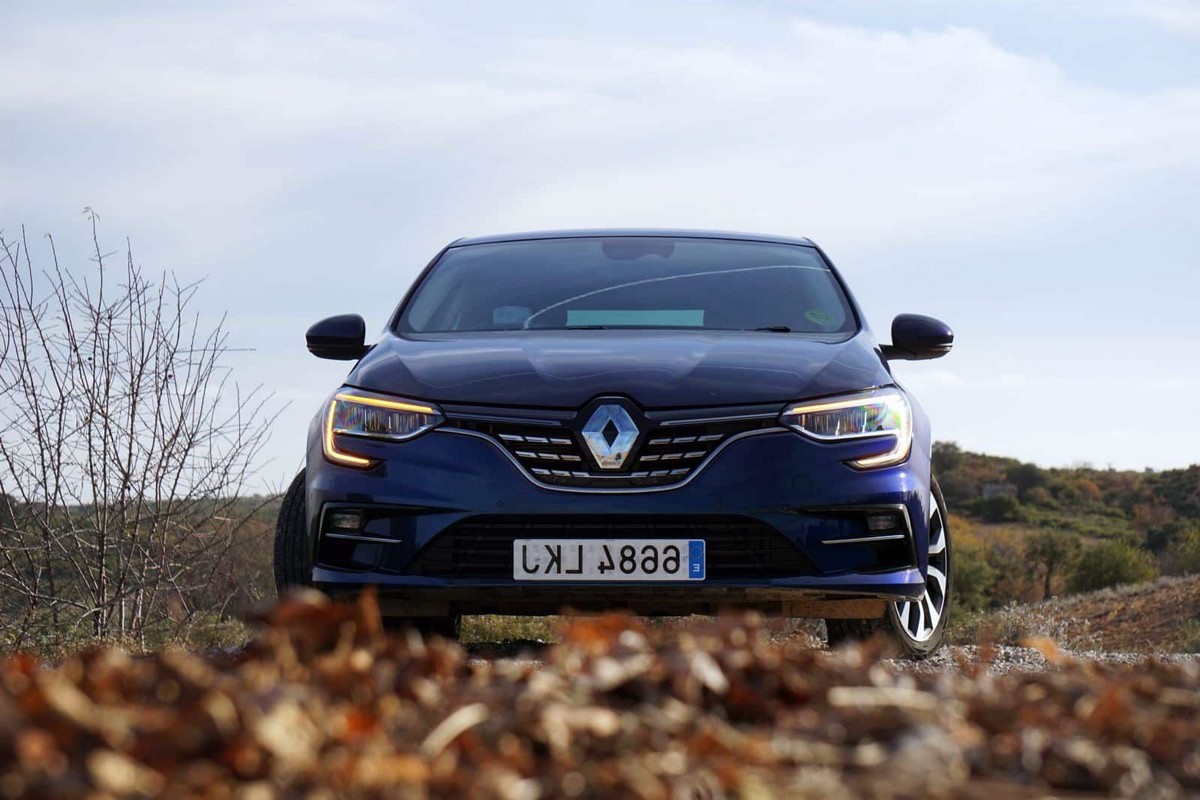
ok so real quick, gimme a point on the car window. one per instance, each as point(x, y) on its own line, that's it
point(629, 282)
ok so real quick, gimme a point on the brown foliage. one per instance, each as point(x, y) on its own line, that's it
point(324, 703)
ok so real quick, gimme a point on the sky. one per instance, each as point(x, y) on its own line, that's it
point(1027, 171)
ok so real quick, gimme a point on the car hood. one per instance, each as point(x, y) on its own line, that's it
point(656, 369)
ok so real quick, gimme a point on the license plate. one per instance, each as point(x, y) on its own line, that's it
point(608, 560)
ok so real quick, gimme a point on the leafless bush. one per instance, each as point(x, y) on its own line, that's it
point(125, 448)
point(1016, 623)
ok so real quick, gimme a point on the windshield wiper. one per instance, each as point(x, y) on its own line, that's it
point(775, 329)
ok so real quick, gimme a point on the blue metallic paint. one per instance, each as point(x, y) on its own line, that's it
point(772, 477)
point(675, 233)
point(769, 477)
point(655, 369)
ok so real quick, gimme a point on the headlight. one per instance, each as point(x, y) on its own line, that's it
point(883, 413)
point(368, 416)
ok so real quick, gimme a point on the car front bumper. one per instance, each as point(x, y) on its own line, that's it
point(800, 492)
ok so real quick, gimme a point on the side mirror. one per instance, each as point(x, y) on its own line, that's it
point(918, 338)
point(341, 338)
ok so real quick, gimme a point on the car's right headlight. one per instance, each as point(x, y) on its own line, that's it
point(876, 414)
point(366, 415)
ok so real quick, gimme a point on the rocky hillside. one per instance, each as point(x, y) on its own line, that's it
point(1161, 616)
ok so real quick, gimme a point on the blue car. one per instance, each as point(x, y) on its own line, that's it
point(670, 422)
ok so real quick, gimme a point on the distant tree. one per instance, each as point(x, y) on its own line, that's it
point(1025, 477)
point(956, 488)
point(1054, 551)
point(1111, 563)
point(1014, 581)
point(973, 577)
point(957, 484)
point(1087, 491)
point(1000, 508)
point(1124, 490)
point(1148, 516)
point(1159, 526)
point(1183, 555)
point(1040, 496)
point(126, 447)
point(1180, 489)
point(947, 456)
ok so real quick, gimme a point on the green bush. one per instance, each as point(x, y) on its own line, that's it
point(1111, 563)
point(957, 489)
point(973, 576)
point(1025, 477)
point(1040, 496)
point(1001, 508)
point(1053, 551)
point(1183, 556)
point(946, 456)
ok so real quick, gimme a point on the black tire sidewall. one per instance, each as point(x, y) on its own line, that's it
point(911, 646)
point(292, 559)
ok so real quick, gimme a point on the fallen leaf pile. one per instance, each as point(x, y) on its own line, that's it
point(324, 704)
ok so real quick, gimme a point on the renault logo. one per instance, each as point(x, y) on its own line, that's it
point(610, 434)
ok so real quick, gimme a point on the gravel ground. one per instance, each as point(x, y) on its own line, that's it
point(1003, 660)
point(999, 660)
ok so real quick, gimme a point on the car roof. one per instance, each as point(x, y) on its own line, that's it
point(590, 233)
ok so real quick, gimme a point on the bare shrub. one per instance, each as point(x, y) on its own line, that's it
point(1014, 624)
point(1053, 551)
point(125, 448)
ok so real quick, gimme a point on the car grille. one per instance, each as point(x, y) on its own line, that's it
point(736, 547)
point(663, 456)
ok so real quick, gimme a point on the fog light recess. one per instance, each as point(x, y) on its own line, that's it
point(345, 521)
point(882, 523)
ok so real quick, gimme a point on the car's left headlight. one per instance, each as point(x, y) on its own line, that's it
point(876, 414)
point(353, 412)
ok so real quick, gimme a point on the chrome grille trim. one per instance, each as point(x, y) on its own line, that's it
point(887, 537)
point(686, 478)
point(674, 423)
point(355, 537)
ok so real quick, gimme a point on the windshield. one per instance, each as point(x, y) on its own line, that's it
point(629, 282)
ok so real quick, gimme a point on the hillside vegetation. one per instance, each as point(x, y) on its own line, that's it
point(1025, 533)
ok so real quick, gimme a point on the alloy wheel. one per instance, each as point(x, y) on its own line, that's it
point(919, 618)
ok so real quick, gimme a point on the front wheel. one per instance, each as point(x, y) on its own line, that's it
point(293, 564)
point(916, 625)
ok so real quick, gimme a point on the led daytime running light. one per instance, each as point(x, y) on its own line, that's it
point(375, 418)
point(378, 402)
point(877, 414)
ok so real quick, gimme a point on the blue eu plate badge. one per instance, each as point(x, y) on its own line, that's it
point(696, 560)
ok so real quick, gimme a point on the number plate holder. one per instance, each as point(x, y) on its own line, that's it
point(569, 560)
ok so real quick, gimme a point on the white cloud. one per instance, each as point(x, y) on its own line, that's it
point(841, 130)
point(1178, 16)
point(309, 157)
point(848, 133)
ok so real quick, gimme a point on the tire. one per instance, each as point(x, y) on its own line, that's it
point(293, 562)
point(907, 623)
